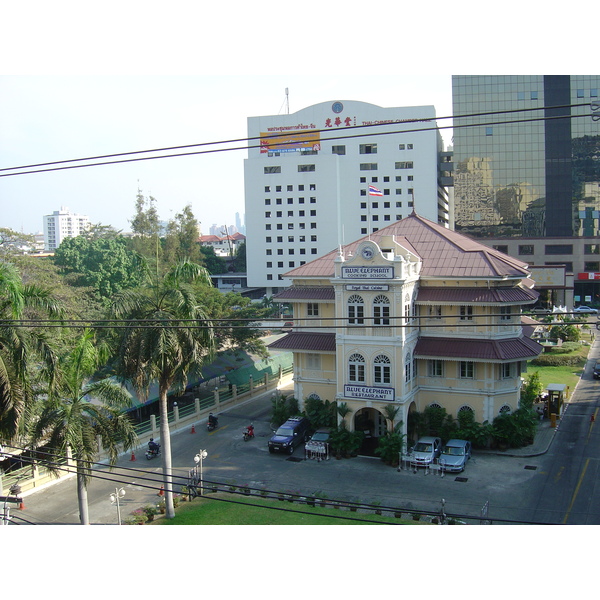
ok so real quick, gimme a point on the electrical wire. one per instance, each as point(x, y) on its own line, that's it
point(5, 172)
point(274, 494)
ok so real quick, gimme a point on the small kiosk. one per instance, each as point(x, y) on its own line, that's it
point(556, 395)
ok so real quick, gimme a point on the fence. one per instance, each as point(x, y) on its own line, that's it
point(211, 396)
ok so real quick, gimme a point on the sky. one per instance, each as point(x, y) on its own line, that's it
point(135, 76)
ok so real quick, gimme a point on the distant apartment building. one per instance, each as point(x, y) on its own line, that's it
point(332, 172)
point(62, 224)
point(527, 176)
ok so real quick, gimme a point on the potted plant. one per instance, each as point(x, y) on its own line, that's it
point(139, 516)
point(150, 510)
point(162, 507)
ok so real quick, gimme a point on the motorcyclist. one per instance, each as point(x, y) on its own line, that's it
point(153, 446)
point(212, 420)
point(250, 430)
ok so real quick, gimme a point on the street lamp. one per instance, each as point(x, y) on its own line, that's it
point(198, 459)
point(114, 498)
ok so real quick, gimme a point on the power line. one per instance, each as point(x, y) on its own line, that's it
point(4, 171)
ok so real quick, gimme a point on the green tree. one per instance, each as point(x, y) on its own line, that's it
point(145, 227)
point(105, 264)
point(214, 264)
point(532, 389)
point(79, 411)
point(182, 240)
point(26, 356)
point(167, 338)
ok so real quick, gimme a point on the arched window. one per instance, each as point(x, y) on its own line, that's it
point(465, 408)
point(356, 310)
point(356, 368)
point(382, 369)
point(435, 405)
point(505, 409)
point(381, 310)
point(407, 368)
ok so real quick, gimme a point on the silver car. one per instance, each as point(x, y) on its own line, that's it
point(426, 450)
point(455, 455)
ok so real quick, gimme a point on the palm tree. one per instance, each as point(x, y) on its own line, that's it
point(166, 339)
point(80, 411)
point(21, 346)
point(390, 412)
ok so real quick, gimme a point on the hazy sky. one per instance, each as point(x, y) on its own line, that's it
point(138, 75)
point(53, 118)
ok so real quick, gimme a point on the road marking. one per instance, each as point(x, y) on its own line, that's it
point(576, 491)
point(558, 475)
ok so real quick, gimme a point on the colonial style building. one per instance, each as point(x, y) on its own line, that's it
point(412, 315)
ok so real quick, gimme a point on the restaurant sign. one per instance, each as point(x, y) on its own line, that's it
point(369, 393)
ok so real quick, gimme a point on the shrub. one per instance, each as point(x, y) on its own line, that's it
point(390, 446)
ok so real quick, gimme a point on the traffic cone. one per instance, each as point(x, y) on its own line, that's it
point(132, 456)
point(21, 506)
point(161, 492)
point(193, 429)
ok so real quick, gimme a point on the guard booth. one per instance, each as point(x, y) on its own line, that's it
point(556, 395)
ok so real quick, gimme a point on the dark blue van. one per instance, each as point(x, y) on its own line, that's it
point(289, 435)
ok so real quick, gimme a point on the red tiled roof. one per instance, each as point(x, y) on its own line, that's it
point(483, 350)
point(445, 253)
point(479, 295)
point(306, 293)
point(309, 342)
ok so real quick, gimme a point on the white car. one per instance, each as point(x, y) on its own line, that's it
point(586, 309)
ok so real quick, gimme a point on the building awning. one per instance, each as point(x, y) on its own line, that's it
point(481, 350)
point(466, 295)
point(307, 342)
point(305, 293)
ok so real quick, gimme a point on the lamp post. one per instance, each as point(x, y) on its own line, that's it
point(198, 459)
point(114, 498)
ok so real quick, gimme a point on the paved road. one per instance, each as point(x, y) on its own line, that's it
point(556, 487)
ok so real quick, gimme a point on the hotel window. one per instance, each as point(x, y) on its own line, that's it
point(505, 313)
point(290, 188)
point(526, 250)
point(381, 310)
point(382, 370)
point(467, 369)
point(268, 170)
point(312, 309)
point(489, 131)
point(435, 368)
point(279, 214)
point(340, 150)
point(368, 166)
point(558, 249)
point(356, 310)
point(506, 371)
point(367, 148)
point(305, 168)
point(594, 267)
point(466, 313)
point(356, 368)
point(404, 165)
point(591, 249)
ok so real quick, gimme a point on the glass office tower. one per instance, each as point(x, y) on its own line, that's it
point(538, 177)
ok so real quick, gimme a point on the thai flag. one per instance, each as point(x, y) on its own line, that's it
point(373, 191)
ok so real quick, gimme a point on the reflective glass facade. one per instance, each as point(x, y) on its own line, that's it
point(539, 177)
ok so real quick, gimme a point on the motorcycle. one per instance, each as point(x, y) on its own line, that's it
point(248, 433)
point(153, 452)
point(212, 424)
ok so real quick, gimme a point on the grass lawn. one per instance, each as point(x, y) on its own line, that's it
point(214, 509)
point(568, 375)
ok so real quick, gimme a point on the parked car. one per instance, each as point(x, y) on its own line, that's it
point(585, 309)
point(597, 370)
point(426, 450)
point(289, 435)
point(455, 455)
point(319, 442)
point(539, 310)
point(288, 326)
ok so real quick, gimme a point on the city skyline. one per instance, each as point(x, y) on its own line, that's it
point(57, 118)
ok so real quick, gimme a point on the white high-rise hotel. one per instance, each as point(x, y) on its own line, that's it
point(311, 177)
point(62, 224)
